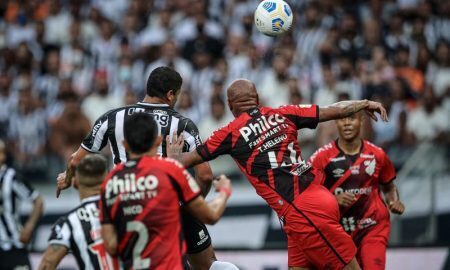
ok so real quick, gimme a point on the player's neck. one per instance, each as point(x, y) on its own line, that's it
point(150, 153)
point(88, 192)
point(154, 100)
point(352, 147)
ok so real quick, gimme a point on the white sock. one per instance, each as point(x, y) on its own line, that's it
point(218, 265)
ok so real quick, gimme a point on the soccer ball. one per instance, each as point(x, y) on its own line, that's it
point(273, 17)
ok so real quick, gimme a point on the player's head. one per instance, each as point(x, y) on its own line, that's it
point(90, 172)
point(164, 83)
point(242, 96)
point(349, 127)
point(141, 134)
point(2, 152)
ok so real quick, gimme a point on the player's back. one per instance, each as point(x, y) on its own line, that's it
point(109, 128)
point(263, 141)
point(80, 232)
point(141, 199)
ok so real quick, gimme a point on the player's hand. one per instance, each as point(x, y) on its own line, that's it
point(345, 199)
point(222, 183)
point(376, 107)
point(396, 207)
point(63, 181)
point(175, 145)
point(25, 234)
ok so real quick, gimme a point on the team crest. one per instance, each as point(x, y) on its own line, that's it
point(370, 166)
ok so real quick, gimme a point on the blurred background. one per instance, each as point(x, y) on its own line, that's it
point(63, 63)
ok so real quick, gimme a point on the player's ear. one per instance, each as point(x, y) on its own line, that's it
point(75, 183)
point(170, 95)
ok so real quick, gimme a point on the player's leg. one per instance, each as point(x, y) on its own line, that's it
point(200, 252)
point(372, 250)
point(353, 265)
point(314, 223)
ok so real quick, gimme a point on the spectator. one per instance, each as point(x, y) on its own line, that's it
point(275, 90)
point(8, 101)
point(57, 24)
point(428, 122)
point(413, 76)
point(101, 100)
point(47, 83)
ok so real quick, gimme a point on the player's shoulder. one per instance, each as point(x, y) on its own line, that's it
point(326, 149)
point(378, 151)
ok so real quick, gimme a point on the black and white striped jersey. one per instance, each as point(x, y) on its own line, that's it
point(13, 191)
point(80, 232)
point(109, 128)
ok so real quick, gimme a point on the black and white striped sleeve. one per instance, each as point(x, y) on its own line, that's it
point(61, 233)
point(98, 137)
point(23, 190)
point(191, 136)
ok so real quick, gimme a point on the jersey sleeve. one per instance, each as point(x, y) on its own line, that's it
point(387, 172)
point(184, 183)
point(60, 233)
point(191, 136)
point(23, 190)
point(317, 163)
point(219, 143)
point(303, 116)
point(98, 137)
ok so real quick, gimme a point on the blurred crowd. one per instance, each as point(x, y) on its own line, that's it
point(63, 63)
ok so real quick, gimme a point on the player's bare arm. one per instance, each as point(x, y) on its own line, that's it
point(52, 257)
point(346, 108)
point(211, 212)
point(392, 197)
point(109, 236)
point(345, 199)
point(64, 179)
point(204, 177)
point(30, 224)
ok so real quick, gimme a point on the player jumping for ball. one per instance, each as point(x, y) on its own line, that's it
point(355, 170)
point(263, 142)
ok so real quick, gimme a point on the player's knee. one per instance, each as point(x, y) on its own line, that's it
point(218, 265)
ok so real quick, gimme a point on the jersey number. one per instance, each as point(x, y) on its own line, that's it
point(292, 155)
point(105, 261)
point(349, 224)
point(141, 230)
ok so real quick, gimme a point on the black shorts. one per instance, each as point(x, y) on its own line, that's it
point(195, 233)
point(14, 258)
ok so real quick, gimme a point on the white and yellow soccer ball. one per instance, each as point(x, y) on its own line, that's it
point(273, 17)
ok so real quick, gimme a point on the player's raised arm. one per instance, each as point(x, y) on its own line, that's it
point(211, 212)
point(346, 108)
point(64, 179)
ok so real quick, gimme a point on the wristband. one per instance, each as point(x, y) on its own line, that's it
point(226, 191)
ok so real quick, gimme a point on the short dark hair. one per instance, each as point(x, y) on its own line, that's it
point(162, 80)
point(140, 132)
point(91, 170)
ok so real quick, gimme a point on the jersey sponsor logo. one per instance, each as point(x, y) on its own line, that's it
point(338, 172)
point(354, 169)
point(370, 169)
point(337, 159)
point(366, 156)
point(366, 222)
point(136, 188)
point(132, 210)
point(262, 125)
point(355, 191)
point(299, 169)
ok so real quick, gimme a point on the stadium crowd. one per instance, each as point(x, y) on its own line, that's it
point(63, 63)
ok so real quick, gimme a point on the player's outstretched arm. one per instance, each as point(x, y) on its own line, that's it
point(174, 149)
point(109, 237)
point(64, 179)
point(30, 224)
point(52, 256)
point(392, 197)
point(346, 108)
point(210, 213)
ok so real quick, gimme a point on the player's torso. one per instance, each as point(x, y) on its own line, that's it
point(145, 211)
point(168, 120)
point(358, 175)
point(86, 241)
point(267, 151)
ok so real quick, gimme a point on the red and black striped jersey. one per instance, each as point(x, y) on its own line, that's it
point(263, 142)
point(141, 198)
point(360, 174)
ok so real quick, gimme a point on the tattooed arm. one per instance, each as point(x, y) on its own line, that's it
point(346, 108)
point(52, 256)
